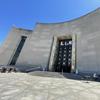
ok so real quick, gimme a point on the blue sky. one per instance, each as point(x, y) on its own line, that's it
point(25, 13)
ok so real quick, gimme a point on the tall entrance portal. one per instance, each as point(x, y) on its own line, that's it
point(63, 58)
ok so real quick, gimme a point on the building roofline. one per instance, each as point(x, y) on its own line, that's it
point(89, 13)
point(23, 29)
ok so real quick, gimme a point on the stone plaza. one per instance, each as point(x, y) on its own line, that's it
point(22, 86)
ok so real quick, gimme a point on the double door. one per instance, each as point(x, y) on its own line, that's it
point(63, 60)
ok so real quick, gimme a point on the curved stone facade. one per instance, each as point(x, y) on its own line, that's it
point(39, 47)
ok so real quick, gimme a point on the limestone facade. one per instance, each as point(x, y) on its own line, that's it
point(39, 47)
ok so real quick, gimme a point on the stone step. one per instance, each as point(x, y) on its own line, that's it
point(46, 74)
point(55, 75)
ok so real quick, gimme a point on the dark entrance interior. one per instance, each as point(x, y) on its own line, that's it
point(63, 58)
point(18, 50)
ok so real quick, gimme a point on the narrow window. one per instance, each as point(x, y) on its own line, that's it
point(18, 50)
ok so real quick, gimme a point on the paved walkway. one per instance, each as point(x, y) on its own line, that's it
point(19, 86)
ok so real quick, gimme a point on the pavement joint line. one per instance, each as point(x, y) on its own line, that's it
point(49, 90)
point(87, 88)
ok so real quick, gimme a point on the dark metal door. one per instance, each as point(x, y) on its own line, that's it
point(64, 56)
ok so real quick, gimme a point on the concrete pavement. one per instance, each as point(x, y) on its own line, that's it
point(21, 86)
